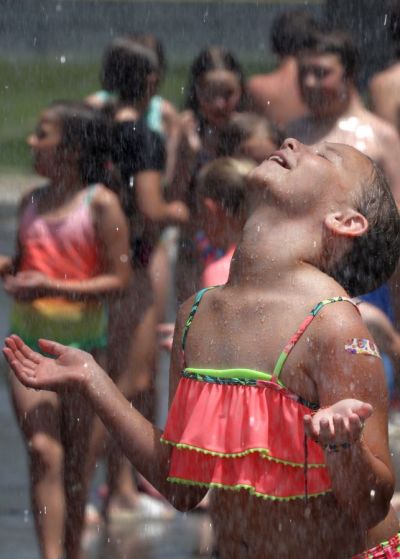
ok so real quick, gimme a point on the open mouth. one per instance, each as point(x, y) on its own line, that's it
point(280, 160)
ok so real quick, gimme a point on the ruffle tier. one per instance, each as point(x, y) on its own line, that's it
point(240, 436)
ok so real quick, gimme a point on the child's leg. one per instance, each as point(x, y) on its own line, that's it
point(160, 270)
point(38, 414)
point(76, 426)
point(132, 362)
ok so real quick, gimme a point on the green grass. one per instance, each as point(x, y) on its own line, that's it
point(27, 85)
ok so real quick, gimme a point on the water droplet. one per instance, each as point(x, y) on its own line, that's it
point(372, 494)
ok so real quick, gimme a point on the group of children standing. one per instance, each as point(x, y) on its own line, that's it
point(278, 400)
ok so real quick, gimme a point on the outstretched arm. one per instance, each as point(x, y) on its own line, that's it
point(352, 391)
point(77, 370)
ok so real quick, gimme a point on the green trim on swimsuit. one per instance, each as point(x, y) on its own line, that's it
point(264, 452)
point(248, 488)
point(236, 374)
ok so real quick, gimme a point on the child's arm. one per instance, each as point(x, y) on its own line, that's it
point(151, 202)
point(77, 370)
point(386, 336)
point(187, 149)
point(112, 234)
point(352, 390)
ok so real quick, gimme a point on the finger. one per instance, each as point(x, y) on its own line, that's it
point(355, 427)
point(165, 327)
point(341, 431)
point(22, 372)
point(325, 431)
point(26, 351)
point(53, 348)
point(364, 411)
point(310, 429)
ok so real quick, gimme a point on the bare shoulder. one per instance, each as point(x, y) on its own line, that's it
point(341, 319)
point(262, 84)
point(104, 198)
point(384, 80)
point(384, 131)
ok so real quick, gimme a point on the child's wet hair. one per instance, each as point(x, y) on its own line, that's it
point(341, 44)
point(224, 180)
point(126, 66)
point(85, 131)
point(243, 126)
point(212, 58)
point(291, 31)
point(373, 257)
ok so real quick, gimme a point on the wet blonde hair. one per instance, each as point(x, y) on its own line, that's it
point(224, 181)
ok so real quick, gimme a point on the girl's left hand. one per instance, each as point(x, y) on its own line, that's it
point(339, 425)
point(27, 285)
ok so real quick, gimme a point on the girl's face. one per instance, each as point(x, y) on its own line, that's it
point(305, 179)
point(218, 93)
point(45, 142)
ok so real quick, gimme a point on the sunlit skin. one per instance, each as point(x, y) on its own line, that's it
point(266, 98)
point(384, 92)
point(300, 199)
point(338, 115)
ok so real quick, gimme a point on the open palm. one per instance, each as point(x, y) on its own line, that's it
point(341, 423)
point(70, 368)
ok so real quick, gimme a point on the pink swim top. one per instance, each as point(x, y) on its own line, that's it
point(242, 429)
point(68, 249)
point(64, 248)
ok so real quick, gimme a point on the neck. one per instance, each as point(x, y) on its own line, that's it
point(66, 182)
point(344, 106)
point(271, 249)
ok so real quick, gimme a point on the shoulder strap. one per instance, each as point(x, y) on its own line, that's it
point(90, 190)
point(195, 306)
point(300, 331)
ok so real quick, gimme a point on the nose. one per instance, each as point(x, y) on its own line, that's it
point(219, 103)
point(292, 144)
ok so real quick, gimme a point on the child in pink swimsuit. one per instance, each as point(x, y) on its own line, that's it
point(72, 256)
point(292, 442)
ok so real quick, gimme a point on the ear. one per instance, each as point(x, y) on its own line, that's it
point(348, 223)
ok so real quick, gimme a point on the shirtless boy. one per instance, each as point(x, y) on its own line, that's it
point(327, 72)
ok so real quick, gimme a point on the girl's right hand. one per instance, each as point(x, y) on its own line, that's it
point(71, 368)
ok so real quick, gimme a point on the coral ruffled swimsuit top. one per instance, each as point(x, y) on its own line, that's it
point(243, 429)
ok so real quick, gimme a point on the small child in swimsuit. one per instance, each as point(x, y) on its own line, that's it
point(270, 405)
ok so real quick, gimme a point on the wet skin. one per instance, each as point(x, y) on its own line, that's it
point(297, 196)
